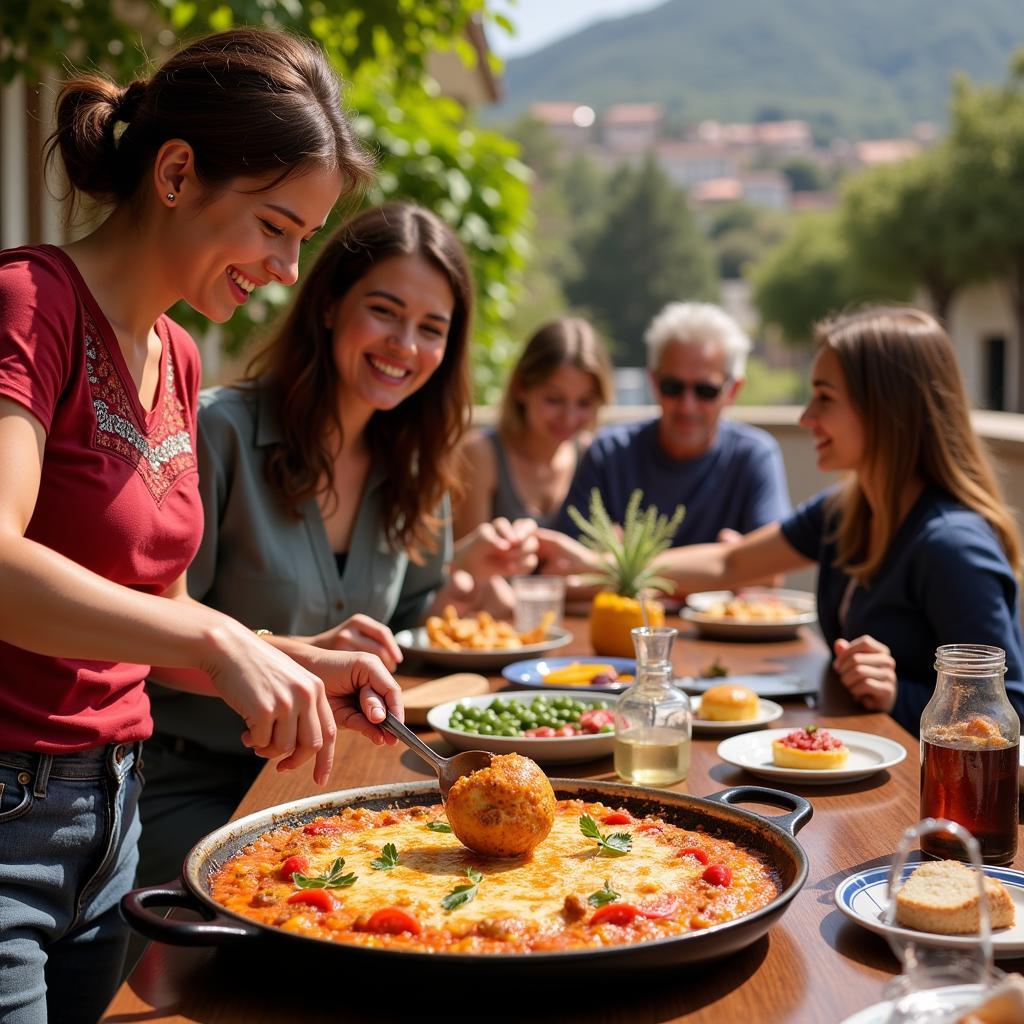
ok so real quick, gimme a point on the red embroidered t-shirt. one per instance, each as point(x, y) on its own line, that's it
point(119, 492)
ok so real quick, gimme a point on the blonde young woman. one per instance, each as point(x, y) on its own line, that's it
point(522, 468)
point(916, 548)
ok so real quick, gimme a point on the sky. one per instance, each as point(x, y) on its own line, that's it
point(539, 22)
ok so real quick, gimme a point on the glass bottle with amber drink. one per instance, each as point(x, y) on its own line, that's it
point(970, 741)
point(652, 718)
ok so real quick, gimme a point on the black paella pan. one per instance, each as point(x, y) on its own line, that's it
point(771, 838)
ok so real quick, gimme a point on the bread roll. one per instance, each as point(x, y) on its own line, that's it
point(942, 897)
point(728, 703)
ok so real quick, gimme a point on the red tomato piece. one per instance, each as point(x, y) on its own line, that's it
point(565, 730)
point(319, 898)
point(662, 906)
point(718, 874)
point(322, 828)
point(692, 851)
point(594, 720)
point(617, 818)
point(293, 865)
point(541, 730)
point(391, 921)
point(615, 913)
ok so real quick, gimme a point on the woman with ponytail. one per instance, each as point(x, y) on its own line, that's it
point(214, 171)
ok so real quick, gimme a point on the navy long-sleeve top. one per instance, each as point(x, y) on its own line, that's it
point(944, 580)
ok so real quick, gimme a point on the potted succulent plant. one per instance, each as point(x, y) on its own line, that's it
point(626, 569)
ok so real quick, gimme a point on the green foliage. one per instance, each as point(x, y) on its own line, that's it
point(740, 234)
point(631, 550)
point(870, 68)
point(904, 225)
point(646, 251)
point(767, 385)
point(804, 175)
point(401, 34)
point(986, 168)
point(804, 277)
point(428, 147)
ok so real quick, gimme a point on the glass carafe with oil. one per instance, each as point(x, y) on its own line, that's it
point(653, 721)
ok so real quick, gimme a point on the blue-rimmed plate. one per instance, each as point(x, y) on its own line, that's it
point(863, 898)
point(534, 673)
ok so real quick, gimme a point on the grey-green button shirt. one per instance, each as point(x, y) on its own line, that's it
point(270, 570)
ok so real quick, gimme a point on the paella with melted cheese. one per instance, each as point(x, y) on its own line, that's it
point(400, 879)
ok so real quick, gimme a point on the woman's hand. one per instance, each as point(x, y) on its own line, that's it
point(498, 548)
point(361, 633)
point(284, 705)
point(468, 596)
point(358, 689)
point(867, 669)
point(561, 555)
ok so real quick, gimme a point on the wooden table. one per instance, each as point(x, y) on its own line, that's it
point(812, 966)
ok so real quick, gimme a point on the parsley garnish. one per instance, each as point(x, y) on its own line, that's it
point(465, 892)
point(335, 878)
point(388, 858)
point(603, 896)
point(438, 826)
point(615, 845)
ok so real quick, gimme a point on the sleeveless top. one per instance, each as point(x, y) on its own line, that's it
point(507, 502)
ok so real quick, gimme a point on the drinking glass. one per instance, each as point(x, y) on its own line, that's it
point(934, 978)
point(536, 596)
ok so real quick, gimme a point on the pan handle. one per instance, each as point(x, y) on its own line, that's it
point(800, 810)
point(213, 930)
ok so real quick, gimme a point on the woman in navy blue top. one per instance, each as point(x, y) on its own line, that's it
point(915, 548)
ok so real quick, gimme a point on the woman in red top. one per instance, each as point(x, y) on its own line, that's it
point(216, 168)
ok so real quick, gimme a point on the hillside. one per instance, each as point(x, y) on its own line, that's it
point(866, 68)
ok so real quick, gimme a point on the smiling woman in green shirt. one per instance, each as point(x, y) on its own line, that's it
point(325, 479)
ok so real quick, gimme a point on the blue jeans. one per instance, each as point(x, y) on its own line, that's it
point(68, 832)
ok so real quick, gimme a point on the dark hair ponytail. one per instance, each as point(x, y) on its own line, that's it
point(248, 101)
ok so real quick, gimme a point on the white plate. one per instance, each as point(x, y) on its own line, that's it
point(542, 749)
point(776, 684)
point(767, 711)
point(863, 898)
point(868, 754)
point(717, 628)
point(947, 999)
point(416, 642)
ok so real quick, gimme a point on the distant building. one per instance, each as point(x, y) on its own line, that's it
point(872, 152)
point(632, 127)
point(689, 163)
point(766, 188)
point(572, 124)
point(779, 138)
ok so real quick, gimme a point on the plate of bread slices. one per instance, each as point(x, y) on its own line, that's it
point(938, 904)
point(729, 707)
point(811, 755)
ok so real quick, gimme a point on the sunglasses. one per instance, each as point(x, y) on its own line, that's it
point(703, 390)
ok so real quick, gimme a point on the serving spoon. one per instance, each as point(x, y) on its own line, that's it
point(449, 769)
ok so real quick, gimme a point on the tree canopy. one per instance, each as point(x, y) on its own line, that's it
point(646, 251)
point(428, 147)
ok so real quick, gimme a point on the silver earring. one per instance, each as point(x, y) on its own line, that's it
point(170, 197)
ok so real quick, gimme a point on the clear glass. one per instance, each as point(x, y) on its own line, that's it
point(536, 596)
point(653, 721)
point(937, 980)
point(970, 743)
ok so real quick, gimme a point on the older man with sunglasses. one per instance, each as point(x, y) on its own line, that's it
point(730, 476)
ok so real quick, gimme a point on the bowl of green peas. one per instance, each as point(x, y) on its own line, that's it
point(549, 726)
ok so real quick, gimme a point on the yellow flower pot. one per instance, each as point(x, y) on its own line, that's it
point(613, 616)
